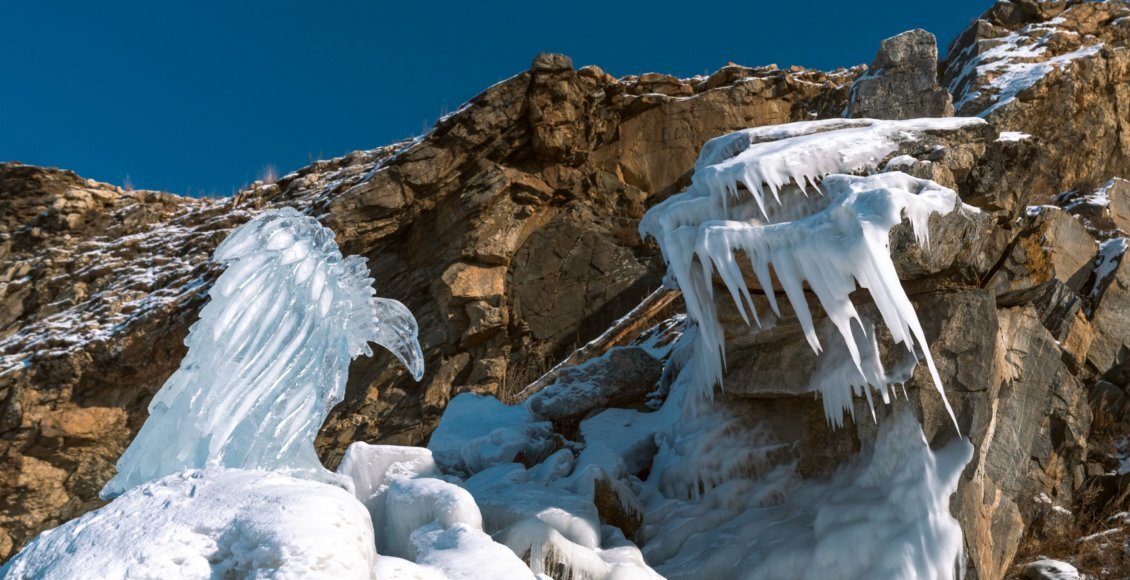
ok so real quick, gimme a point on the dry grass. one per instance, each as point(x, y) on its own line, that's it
point(1096, 540)
point(521, 373)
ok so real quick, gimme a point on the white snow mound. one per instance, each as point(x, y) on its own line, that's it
point(214, 523)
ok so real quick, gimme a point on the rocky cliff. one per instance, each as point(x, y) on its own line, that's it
point(510, 232)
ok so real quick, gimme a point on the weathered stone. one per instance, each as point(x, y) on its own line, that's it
point(623, 376)
point(1118, 194)
point(439, 390)
point(484, 320)
point(617, 505)
point(1075, 68)
point(1106, 397)
point(902, 82)
point(1110, 320)
point(83, 423)
point(1052, 245)
point(463, 282)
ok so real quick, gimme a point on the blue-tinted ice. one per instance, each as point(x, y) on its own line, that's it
point(269, 356)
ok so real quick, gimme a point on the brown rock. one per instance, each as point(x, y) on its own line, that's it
point(463, 282)
point(1118, 192)
point(1052, 245)
point(1110, 320)
point(1084, 77)
point(902, 82)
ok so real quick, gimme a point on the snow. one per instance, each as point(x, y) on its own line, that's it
point(1110, 255)
point(269, 356)
point(504, 521)
point(1013, 136)
point(1052, 570)
point(899, 162)
point(1072, 200)
point(838, 379)
point(1017, 77)
point(370, 467)
point(831, 239)
point(212, 523)
point(1035, 210)
point(884, 514)
point(1011, 65)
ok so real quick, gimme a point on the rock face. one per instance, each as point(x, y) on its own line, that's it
point(902, 82)
point(510, 232)
point(1057, 71)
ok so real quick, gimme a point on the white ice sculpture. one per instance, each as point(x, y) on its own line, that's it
point(822, 227)
point(269, 356)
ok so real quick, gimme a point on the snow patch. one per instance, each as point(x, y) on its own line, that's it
point(479, 431)
point(1013, 136)
point(1011, 65)
point(1110, 255)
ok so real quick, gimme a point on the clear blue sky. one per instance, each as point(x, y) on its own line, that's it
point(198, 97)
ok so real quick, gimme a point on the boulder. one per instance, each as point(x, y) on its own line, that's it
point(1051, 245)
point(621, 377)
point(902, 82)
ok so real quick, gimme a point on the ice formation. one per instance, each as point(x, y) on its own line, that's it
point(883, 514)
point(717, 495)
point(821, 227)
point(269, 356)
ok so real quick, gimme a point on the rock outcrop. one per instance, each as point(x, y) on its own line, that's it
point(901, 82)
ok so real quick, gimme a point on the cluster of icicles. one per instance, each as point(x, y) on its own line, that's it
point(822, 227)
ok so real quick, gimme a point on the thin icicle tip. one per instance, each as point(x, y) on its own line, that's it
point(822, 228)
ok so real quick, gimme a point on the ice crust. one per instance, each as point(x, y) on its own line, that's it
point(269, 356)
point(822, 228)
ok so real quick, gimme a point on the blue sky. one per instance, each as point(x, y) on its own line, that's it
point(199, 97)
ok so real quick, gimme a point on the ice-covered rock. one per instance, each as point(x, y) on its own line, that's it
point(619, 377)
point(884, 514)
point(213, 523)
point(479, 431)
point(822, 228)
point(1048, 569)
point(269, 356)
